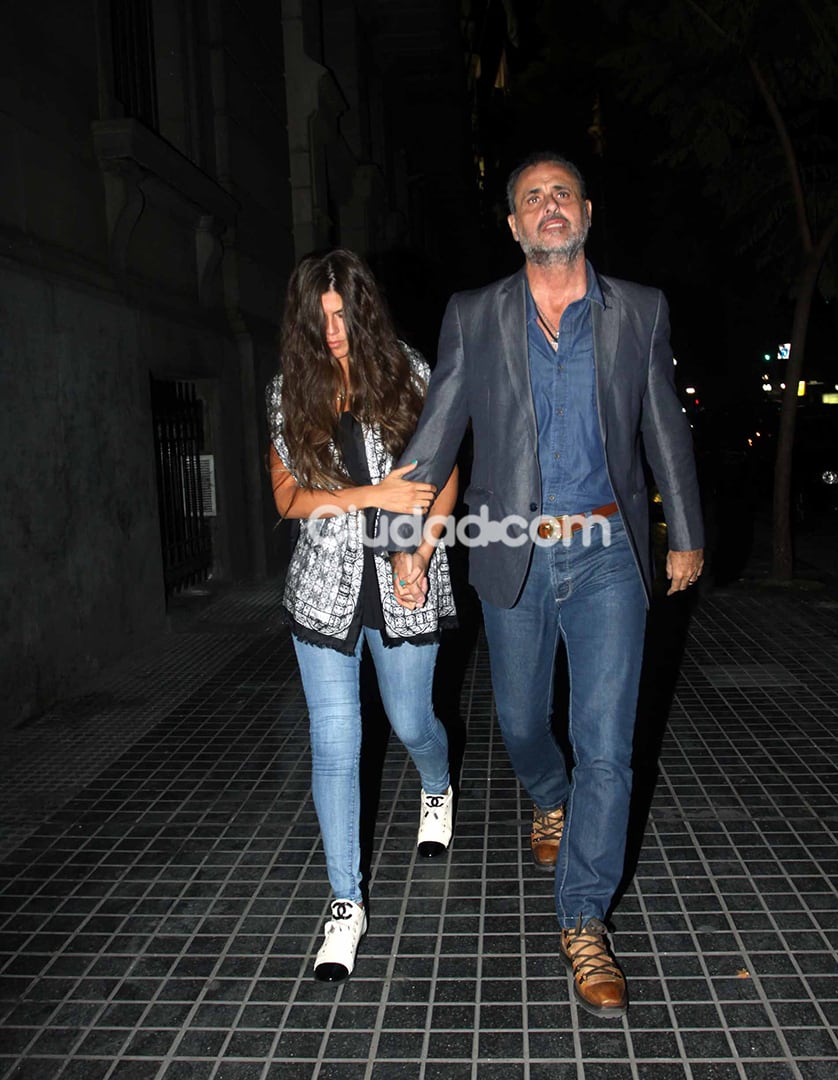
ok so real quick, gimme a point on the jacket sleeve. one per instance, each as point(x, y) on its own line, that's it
point(668, 444)
point(442, 424)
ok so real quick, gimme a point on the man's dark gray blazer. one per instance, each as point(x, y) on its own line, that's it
point(482, 373)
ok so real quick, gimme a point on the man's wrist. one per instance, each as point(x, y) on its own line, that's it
point(424, 552)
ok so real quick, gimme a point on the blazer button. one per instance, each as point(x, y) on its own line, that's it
point(533, 507)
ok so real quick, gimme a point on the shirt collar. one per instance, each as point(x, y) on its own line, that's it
point(593, 292)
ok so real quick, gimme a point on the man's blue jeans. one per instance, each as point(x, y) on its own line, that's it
point(331, 681)
point(593, 598)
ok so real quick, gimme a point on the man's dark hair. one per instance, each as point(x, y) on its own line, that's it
point(542, 157)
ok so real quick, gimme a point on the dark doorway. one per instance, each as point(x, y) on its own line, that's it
point(185, 488)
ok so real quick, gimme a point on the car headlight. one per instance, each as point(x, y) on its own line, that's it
point(830, 476)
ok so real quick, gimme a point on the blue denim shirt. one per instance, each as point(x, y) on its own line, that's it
point(570, 452)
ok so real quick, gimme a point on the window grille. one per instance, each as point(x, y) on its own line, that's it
point(204, 467)
point(185, 532)
point(135, 83)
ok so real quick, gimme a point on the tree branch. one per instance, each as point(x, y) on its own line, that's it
point(711, 22)
point(776, 115)
point(827, 236)
point(788, 153)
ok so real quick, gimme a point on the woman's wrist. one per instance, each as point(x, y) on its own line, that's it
point(353, 498)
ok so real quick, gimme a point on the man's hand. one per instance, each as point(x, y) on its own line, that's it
point(683, 568)
point(410, 579)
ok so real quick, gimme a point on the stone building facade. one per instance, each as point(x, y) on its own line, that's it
point(164, 164)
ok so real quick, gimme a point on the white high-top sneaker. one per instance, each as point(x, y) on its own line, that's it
point(344, 930)
point(435, 824)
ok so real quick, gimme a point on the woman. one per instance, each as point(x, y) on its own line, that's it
point(341, 411)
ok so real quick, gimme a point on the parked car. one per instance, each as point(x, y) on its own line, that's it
point(727, 463)
point(814, 467)
point(815, 462)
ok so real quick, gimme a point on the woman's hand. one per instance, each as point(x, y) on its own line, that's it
point(402, 496)
point(410, 572)
point(410, 578)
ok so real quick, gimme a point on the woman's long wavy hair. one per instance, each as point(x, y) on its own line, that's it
point(381, 387)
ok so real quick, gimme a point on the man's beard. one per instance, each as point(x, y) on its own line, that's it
point(562, 255)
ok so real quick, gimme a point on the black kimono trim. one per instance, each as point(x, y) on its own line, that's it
point(347, 645)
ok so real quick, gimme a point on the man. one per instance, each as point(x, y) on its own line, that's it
point(567, 379)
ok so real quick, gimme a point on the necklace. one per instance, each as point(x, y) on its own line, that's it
point(551, 331)
point(343, 393)
point(343, 388)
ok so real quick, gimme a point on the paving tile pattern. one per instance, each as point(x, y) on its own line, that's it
point(162, 889)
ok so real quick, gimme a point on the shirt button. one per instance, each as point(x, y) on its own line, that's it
point(533, 506)
point(557, 456)
point(552, 498)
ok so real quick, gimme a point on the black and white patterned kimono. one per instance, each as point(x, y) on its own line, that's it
point(323, 584)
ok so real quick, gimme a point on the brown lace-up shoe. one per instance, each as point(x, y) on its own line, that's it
point(547, 829)
point(598, 983)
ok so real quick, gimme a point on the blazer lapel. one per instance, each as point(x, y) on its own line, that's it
point(606, 328)
point(512, 323)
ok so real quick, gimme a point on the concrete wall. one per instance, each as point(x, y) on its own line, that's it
point(125, 254)
point(80, 572)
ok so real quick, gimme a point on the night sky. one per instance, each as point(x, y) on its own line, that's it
point(654, 222)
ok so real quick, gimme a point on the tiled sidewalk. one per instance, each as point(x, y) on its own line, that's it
point(162, 889)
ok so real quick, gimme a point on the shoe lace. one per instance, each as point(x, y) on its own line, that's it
point(547, 826)
point(589, 953)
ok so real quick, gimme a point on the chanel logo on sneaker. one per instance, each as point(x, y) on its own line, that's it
point(341, 909)
point(435, 823)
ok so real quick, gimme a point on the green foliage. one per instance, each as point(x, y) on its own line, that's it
point(696, 65)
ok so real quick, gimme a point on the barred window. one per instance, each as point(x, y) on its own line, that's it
point(135, 80)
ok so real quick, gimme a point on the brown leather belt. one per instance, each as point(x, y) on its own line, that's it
point(556, 527)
